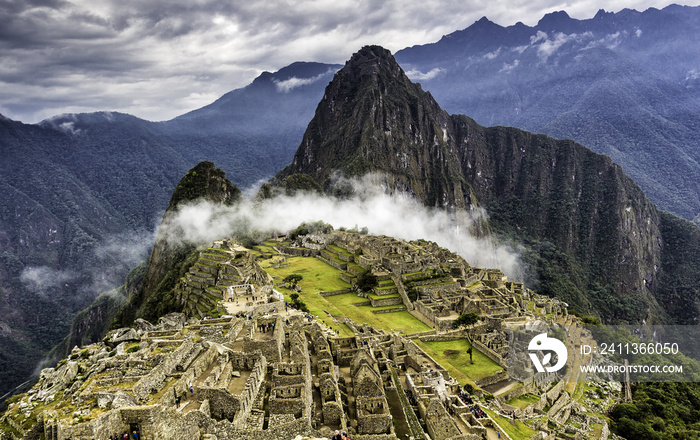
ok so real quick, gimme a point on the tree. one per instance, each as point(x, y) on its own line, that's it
point(366, 281)
point(467, 319)
point(293, 279)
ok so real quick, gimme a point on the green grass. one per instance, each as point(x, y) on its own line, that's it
point(458, 365)
point(318, 276)
point(355, 266)
point(389, 295)
point(524, 401)
point(518, 432)
point(340, 250)
point(321, 277)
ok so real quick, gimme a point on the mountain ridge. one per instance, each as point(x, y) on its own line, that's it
point(560, 76)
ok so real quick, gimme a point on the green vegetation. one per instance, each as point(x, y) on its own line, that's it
point(467, 319)
point(293, 279)
point(659, 411)
point(366, 281)
point(518, 432)
point(198, 183)
point(321, 277)
point(524, 401)
point(458, 363)
point(310, 228)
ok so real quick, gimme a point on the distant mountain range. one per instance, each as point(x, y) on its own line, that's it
point(624, 84)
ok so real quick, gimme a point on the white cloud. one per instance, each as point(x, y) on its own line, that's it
point(41, 279)
point(492, 55)
point(417, 75)
point(638, 33)
point(548, 47)
point(398, 215)
point(508, 67)
point(288, 84)
point(539, 36)
point(158, 59)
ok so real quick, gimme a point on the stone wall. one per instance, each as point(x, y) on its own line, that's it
point(332, 413)
point(295, 251)
point(335, 292)
point(250, 391)
point(222, 405)
point(262, 309)
point(488, 352)
point(379, 302)
point(153, 382)
point(272, 348)
point(396, 278)
point(498, 377)
point(400, 308)
point(373, 415)
point(287, 400)
point(454, 336)
point(346, 277)
point(339, 266)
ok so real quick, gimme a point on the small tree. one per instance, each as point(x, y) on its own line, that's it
point(367, 281)
point(467, 319)
point(293, 279)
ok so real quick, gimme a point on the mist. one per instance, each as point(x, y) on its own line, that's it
point(398, 215)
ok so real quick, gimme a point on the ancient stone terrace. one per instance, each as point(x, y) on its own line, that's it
point(224, 271)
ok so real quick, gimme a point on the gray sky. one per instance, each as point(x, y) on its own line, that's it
point(157, 59)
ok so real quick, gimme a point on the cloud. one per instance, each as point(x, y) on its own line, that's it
point(114, 257)
point(161, 58)
point(492, 55)
point(548, 47)
point(417, 75)
point(42, 279)
point(508, 67)
point(398, 215)
point(286, 85)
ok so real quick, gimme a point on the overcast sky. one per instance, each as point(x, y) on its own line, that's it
point(157, 59)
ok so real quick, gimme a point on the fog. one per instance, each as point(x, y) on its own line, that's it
point(398, 215)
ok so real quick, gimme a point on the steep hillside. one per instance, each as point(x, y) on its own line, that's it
point(592, 237)
point(172, 256)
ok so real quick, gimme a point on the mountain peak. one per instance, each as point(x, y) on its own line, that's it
point(207, 182)
point(372, 118)
point(554, 19)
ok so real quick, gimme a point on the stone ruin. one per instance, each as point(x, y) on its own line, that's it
point(265, 375)
point(250, 380)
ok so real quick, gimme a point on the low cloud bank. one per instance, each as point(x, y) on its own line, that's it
point(398, 215)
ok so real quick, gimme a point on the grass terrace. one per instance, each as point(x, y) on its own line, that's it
point(518, 432)
point(340, 250)
point(524, 401)
point(458, 364)
point(320, 277)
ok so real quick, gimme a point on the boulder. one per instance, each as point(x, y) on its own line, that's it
point(122, 399)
